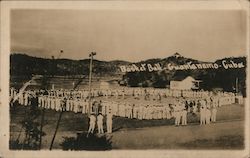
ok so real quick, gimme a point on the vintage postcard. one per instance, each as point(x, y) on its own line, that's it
point(124, 79)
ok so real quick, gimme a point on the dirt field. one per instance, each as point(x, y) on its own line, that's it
point(227, 133)
point(222, 135)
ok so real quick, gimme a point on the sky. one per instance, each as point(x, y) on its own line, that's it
point(131, 35)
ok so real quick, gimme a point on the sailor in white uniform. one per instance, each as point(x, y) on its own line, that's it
point(92, 121)
point(109, 122)
point(100, 123)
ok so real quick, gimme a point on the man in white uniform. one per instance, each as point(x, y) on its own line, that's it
point(213, 113)
point(100, 123)
point(207, 115)
point(26, 97)
point(177, 114)
point(92, 120)
point(184, 114)
point(109, 122)
point(202, 115)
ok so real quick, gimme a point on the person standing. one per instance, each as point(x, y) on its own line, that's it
point(213, 113)
point(99, 108)
point(57, 103)
point(100, 123)
point(40, 100)
point(67, 105)
point(207, 115)
point(214, 109)
point(25, 98)
point(177, 113)
point(184, 114)
point(109, 122)
point(92, 120)
point(49, 102)
point(63, 104)
point(130, 111)
point(53, 105)
point(202, 115)
point(85, 107)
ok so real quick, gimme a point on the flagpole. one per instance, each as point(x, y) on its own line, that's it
point(91, 55)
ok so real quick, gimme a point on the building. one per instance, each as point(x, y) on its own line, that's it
point(177, 55)
point(104, 85)
point(187, 83)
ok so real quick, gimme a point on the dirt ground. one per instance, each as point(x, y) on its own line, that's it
point(227, 133)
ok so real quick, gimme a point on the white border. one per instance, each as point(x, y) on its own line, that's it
point(6, 6)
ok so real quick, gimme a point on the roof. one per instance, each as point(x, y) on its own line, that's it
point(104, 83)
point(181, 78)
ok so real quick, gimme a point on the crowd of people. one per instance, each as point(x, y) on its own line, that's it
point(147, 93)
point(202, 103)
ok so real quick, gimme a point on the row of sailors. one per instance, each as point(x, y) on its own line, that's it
point(117, 109)
point(207, 112)
point(178, 111)
point(122, 109)
point(53, 102)
point(136, 92)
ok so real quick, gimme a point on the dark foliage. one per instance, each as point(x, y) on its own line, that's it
point(23, 65)
point(16, 145)
point(211, 78)
point(84, 142)
point(31, 128)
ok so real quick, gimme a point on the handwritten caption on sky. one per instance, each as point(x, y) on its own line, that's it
point(189, 66)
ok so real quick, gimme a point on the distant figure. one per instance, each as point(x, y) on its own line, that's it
point(202, 115)
point(177, 112)
point(95, 107)
point(213, 114)
point(208, 115)
point(63, 104)
point(184, 114)
point(92, 120)
point(100, 107)
point(109, 122)
point(100, 123)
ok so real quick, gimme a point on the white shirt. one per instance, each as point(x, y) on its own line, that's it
point(109, 117)
point(92, 119)
point(99, 118)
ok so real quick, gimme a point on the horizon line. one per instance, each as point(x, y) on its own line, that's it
point(22, 53)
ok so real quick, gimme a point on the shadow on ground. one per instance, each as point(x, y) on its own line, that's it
point(223, 142)
point(83, 141)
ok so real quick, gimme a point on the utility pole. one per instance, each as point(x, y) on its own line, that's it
point(91, 55)
point(57, 126)
point(59, 119)
point(60, 116)
point(41, 128)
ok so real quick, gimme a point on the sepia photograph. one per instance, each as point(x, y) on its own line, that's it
point(111, 78)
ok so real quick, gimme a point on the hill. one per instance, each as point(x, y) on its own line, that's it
point(24, 65)
point(221, 77)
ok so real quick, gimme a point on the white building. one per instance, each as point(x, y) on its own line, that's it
point(104, 85)
point(187, 83)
